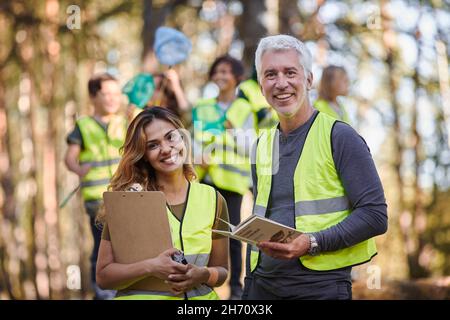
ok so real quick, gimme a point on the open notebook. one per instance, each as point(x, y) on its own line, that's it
point(255, 229)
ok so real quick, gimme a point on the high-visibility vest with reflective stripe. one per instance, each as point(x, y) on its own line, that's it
point(228, 168)
point(320, 200)
point(193, 236)
point(238, 113)
point(253, 93)
point(250, 88)
point(101, 151)
point(324, 106)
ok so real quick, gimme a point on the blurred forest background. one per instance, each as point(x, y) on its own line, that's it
point(396, 54)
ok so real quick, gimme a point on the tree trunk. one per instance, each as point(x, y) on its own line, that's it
point(251, 29)
point(419, 221)
point(7, 204)
point(390, 45)
point(288, 15)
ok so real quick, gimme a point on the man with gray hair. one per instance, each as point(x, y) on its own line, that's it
point(328, 187)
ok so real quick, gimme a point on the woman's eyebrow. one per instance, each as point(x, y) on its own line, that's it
point(168, 133)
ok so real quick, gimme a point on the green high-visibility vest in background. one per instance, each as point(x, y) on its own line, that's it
point(320, 199)
point(101, 151)
point(229, 167)
point(324, 106)
point(207, 115)
point(193, 236)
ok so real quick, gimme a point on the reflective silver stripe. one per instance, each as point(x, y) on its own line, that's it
point(104, 163)
point(259, 210)
point(221, 147)
point(201, 290)
point(200, 260)
point(94, 183)
point(276, 153)
point(125, 293)
point(253, 153)
point(234, 169)
point(303, 208)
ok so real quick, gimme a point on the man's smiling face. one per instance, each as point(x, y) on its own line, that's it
point(283, 81)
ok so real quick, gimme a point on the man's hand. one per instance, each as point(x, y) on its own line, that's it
point(293, 250)
point(72, 163)
point(84, 169)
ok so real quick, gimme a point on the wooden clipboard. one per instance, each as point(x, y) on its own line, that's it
point(139, 229)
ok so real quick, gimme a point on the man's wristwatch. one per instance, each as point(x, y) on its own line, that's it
point(314, 248)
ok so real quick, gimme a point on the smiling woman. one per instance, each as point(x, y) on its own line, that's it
point(156, 156)
point(166, 150)
point(155, 136)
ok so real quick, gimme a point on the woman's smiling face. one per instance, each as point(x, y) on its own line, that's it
point(165, 147)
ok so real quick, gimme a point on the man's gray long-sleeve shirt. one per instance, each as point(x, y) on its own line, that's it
point(362, 184)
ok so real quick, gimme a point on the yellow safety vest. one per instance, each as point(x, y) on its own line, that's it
point(320, 199)
point(324, 106)
point(229, 168)
point(193, 236)
point(238, 113)
point(101, 151)
point(250, 88)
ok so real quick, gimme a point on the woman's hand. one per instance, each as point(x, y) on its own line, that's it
point(162, 266)
point(192, 278)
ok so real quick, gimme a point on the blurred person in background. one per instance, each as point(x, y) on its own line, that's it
point(226, 167)
point(334, 83)
point(93, 154)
